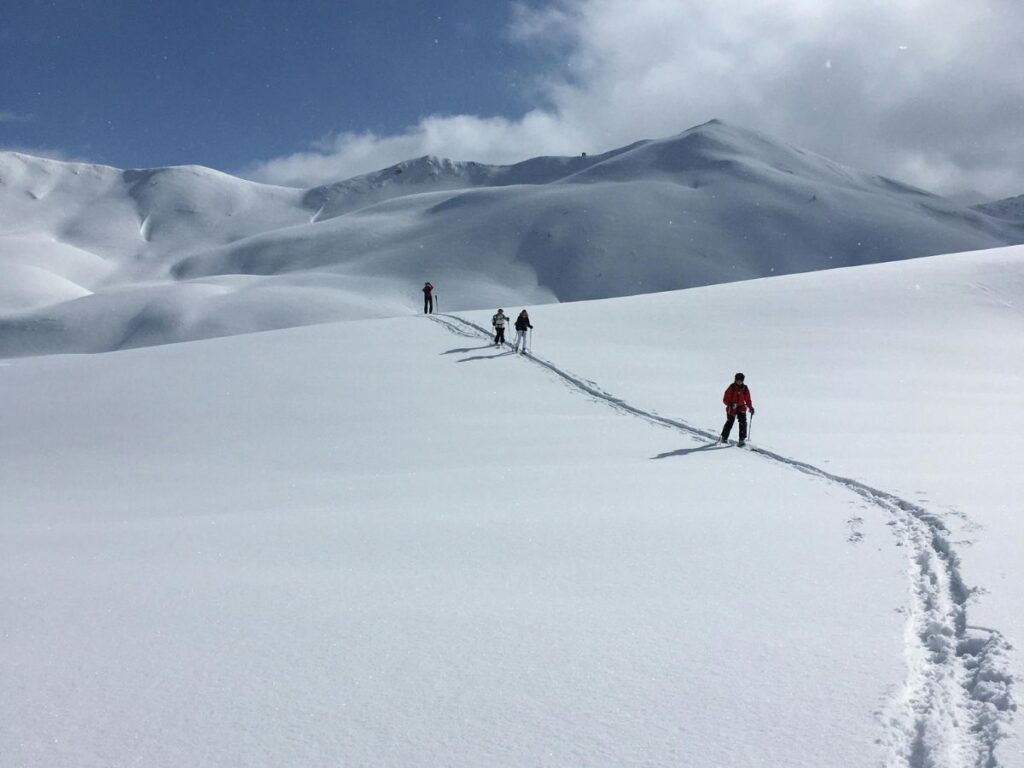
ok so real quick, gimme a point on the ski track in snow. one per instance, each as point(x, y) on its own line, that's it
point(957, 699)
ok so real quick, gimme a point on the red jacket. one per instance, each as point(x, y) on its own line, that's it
point(737, 399)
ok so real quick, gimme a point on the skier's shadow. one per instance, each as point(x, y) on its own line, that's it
point(485, 357)
point(462, 350)
point(688, 451)
point(503, 352)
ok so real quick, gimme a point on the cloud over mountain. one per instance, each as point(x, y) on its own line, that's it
point(929, 92)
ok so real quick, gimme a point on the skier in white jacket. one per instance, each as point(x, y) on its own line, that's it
point(498, 323)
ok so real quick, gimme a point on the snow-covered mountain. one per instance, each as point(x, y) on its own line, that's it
point(94, 259)
point(386, 542)
point(1011, 208)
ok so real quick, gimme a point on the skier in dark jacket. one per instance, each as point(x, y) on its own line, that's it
point(737, 402)
point(498, 323)
point(428, 298)
point(522, 324)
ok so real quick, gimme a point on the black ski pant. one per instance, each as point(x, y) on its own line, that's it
point(428, 303)
point(742, 416)
point(499, 334)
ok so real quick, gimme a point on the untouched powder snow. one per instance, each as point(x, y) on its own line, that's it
point(387, 542)
point(402, 555)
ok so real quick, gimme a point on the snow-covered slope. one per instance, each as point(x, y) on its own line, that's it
point(434, 174)
point(123, 215)
point(189, 253)
point(1011, 208)
point(388, 543)
point(69, 230)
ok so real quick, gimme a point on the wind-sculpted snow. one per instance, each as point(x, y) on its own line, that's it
point(714, 204)
point(137, 215)
point(957, 700)
point(39, 271)
point(193, 207)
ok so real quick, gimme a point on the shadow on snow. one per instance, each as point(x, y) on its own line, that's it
point(688, 451)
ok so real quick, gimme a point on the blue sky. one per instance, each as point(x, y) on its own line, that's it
point(226, 82)
point(313, 91)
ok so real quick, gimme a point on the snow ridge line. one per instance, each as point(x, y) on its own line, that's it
point(957, 699)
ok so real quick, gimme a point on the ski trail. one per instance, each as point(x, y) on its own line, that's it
point(461, 330)
point(957, 698)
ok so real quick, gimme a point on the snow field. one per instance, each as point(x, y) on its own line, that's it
point(879, 376)
point(384, 542)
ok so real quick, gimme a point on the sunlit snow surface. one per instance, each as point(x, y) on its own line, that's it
point(385, 542)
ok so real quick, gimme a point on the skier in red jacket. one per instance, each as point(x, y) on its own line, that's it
point(737, 402)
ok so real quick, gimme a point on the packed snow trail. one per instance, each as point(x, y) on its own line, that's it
point(957, 698)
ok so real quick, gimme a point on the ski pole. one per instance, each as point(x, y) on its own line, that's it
point(750, 429)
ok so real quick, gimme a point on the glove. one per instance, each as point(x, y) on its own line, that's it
point(751, 410)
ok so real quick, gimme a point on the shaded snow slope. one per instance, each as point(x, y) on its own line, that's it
point(1011, 208)
point(409, 547)
point(714, 204)
point(37, 271)
point(434, 174)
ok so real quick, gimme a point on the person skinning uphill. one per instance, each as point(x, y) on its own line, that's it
point(428, 298)
point(737, 402)
point(498, 323)
point(522, 325)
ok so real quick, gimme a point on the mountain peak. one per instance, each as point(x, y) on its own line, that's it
point(1012, 208)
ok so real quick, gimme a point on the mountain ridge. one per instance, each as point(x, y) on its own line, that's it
point(188, 252)
point(1011, 208)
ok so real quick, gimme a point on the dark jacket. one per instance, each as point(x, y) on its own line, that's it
point(523, 322)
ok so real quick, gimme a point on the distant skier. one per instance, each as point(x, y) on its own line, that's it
point(522, 325)
point(428, 298)
point(498, 323)
point(737, 401)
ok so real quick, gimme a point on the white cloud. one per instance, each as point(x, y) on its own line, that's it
point(494, 139)
point(916, 88)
